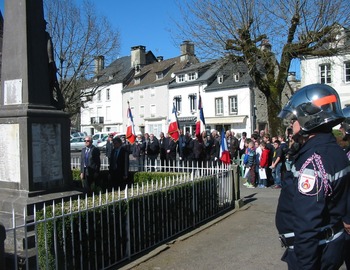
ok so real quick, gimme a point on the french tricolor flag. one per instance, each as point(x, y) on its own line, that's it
point(224, 153)
point(173, 129)
point(130, 130)
point(200, 124)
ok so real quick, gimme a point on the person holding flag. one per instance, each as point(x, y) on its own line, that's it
point(224, 153)
point(130, 130)
point(173, 129)
point(200, 124)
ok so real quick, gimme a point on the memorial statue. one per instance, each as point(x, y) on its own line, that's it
point(57, 99)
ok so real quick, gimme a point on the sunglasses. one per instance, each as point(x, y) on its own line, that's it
point(87, 141)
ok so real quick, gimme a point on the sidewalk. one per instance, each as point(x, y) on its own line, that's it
point(241, 239)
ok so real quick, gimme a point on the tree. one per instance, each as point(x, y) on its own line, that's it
point(246, 29)
point(79, 35)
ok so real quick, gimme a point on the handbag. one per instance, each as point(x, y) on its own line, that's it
point(262, 173)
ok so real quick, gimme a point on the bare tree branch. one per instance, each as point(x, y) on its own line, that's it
point(294, 28)
point(79, 34)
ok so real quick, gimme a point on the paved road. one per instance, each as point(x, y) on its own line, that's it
point(243, 239)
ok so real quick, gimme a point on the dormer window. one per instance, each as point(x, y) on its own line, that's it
point(159, 75)
point(220, 79)
point(180, 78)
point(236, 76)
point(137, 69)
point(137, 80)
point(192, 76)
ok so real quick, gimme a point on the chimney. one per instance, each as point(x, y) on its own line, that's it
point(187, 48)
point(138, 56)
point(99, 64)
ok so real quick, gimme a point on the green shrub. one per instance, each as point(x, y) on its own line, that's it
point(144, 177)
point(76, 174)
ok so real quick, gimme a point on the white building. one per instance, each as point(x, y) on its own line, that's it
point(332, 70)
point(148, 94)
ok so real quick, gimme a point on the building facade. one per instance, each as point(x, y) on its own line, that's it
point(331, 70)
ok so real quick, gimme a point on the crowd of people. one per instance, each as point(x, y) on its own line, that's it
point(262, 156)
point(266, 158)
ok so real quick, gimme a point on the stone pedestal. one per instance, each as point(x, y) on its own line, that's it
point(34, 135)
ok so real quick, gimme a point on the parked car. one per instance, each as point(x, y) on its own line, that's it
point(76, 144)
point(97, 137)
point(102, 145)
point(78, 134)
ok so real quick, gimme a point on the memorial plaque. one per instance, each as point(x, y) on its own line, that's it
point(13, 92)
point(9, 153)
point(47, 154)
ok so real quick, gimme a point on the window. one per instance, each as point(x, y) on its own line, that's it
point(153, 110)
point(233, 104)
point(108, 94)
point(131, 95)
point(325, 73)
point(220, 79)
point(141, 93)
point(155, 129)
point(99, 95)
point(181, 78)
point(192, 76)
point(219, 108)
point(137, 80)
point(142, 111)
point(153, 92)
point(177, 101)
point(347, 71)
point(108, 113)
point(192, 98)
point(236, 77)
point(159, 75)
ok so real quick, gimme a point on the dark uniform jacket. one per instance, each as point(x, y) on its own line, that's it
point(93, 161)
point(119, 164)
point(307, 203)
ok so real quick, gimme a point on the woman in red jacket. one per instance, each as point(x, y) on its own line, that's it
point(264, 163)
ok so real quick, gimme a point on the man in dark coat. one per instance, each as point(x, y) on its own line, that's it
point(171, 153)
point(119, 164)
point(90, 164)
point(153, 150)
point(163, 142)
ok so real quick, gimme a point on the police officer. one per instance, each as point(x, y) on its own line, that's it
point(313, 201)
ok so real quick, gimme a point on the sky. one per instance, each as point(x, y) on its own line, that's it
point(140, 22)
point(144, 22)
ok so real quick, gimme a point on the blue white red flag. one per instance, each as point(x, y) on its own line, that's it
point(224, 153)
point(200, 124)
point(173, 129)
point(130, 130)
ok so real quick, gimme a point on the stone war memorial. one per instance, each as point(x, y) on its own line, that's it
point(34, 141)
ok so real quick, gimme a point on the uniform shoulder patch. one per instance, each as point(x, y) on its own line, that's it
point(306, 183)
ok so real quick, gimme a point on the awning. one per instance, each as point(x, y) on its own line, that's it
point(191, 119)
point(226, 120)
